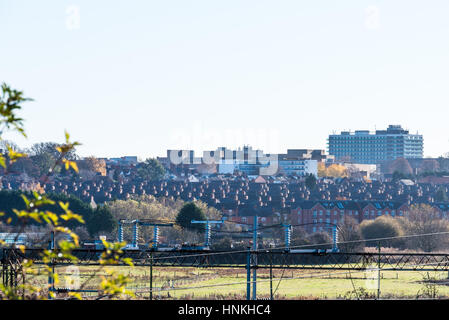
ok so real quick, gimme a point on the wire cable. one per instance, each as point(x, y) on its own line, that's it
point(308, 245)
point(304, 276)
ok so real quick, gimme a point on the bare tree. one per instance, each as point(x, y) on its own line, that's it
point(424, 219)
point(429, 165)
point(402, 166)
point(349, 234)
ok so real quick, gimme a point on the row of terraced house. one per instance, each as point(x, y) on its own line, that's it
point(315, 216)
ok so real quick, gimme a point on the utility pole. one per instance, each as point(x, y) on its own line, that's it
point(255, 257)
point(248, 274)
point(287, 236)
point(4, 269)
point(151, 274)
point(378, 273)
point(334, 239)
point(51, 284)
point(120, 232)
point(207, 233)
point(155, 236)
point(271, 274)
point(135, 233)
point(155, 231)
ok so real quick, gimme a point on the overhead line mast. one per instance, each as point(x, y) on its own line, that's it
point(208, 227)
point(136, 223)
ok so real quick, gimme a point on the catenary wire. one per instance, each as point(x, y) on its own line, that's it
point(307, 245)
point(309, 275)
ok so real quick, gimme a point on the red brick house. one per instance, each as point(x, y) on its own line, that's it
point(373, 209)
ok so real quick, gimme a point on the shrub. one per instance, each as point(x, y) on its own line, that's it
point(382, 227)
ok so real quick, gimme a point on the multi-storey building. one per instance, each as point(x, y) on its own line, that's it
point(321, 215)
point(373, 209)
point(246, 160)
point(310, 154)
point(317, 216)
point(299, 162)
point(127, 160)
point(296, 166)
point(362, 146)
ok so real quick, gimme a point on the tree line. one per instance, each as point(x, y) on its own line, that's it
point(39, 160)
point(98, 220)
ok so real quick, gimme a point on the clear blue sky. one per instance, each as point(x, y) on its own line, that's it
point(139, 77)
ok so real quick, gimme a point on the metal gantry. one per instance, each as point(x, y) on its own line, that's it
point(277, 259)
point(334, 233)
point(135, 230)
point(11, 269)
point(252, 260)
point(288, 235)
point(207, 232)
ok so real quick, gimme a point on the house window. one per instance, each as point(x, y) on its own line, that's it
point(314, 213)
point(321, 212)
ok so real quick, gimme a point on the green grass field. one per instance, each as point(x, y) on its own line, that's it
point(219, 283)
